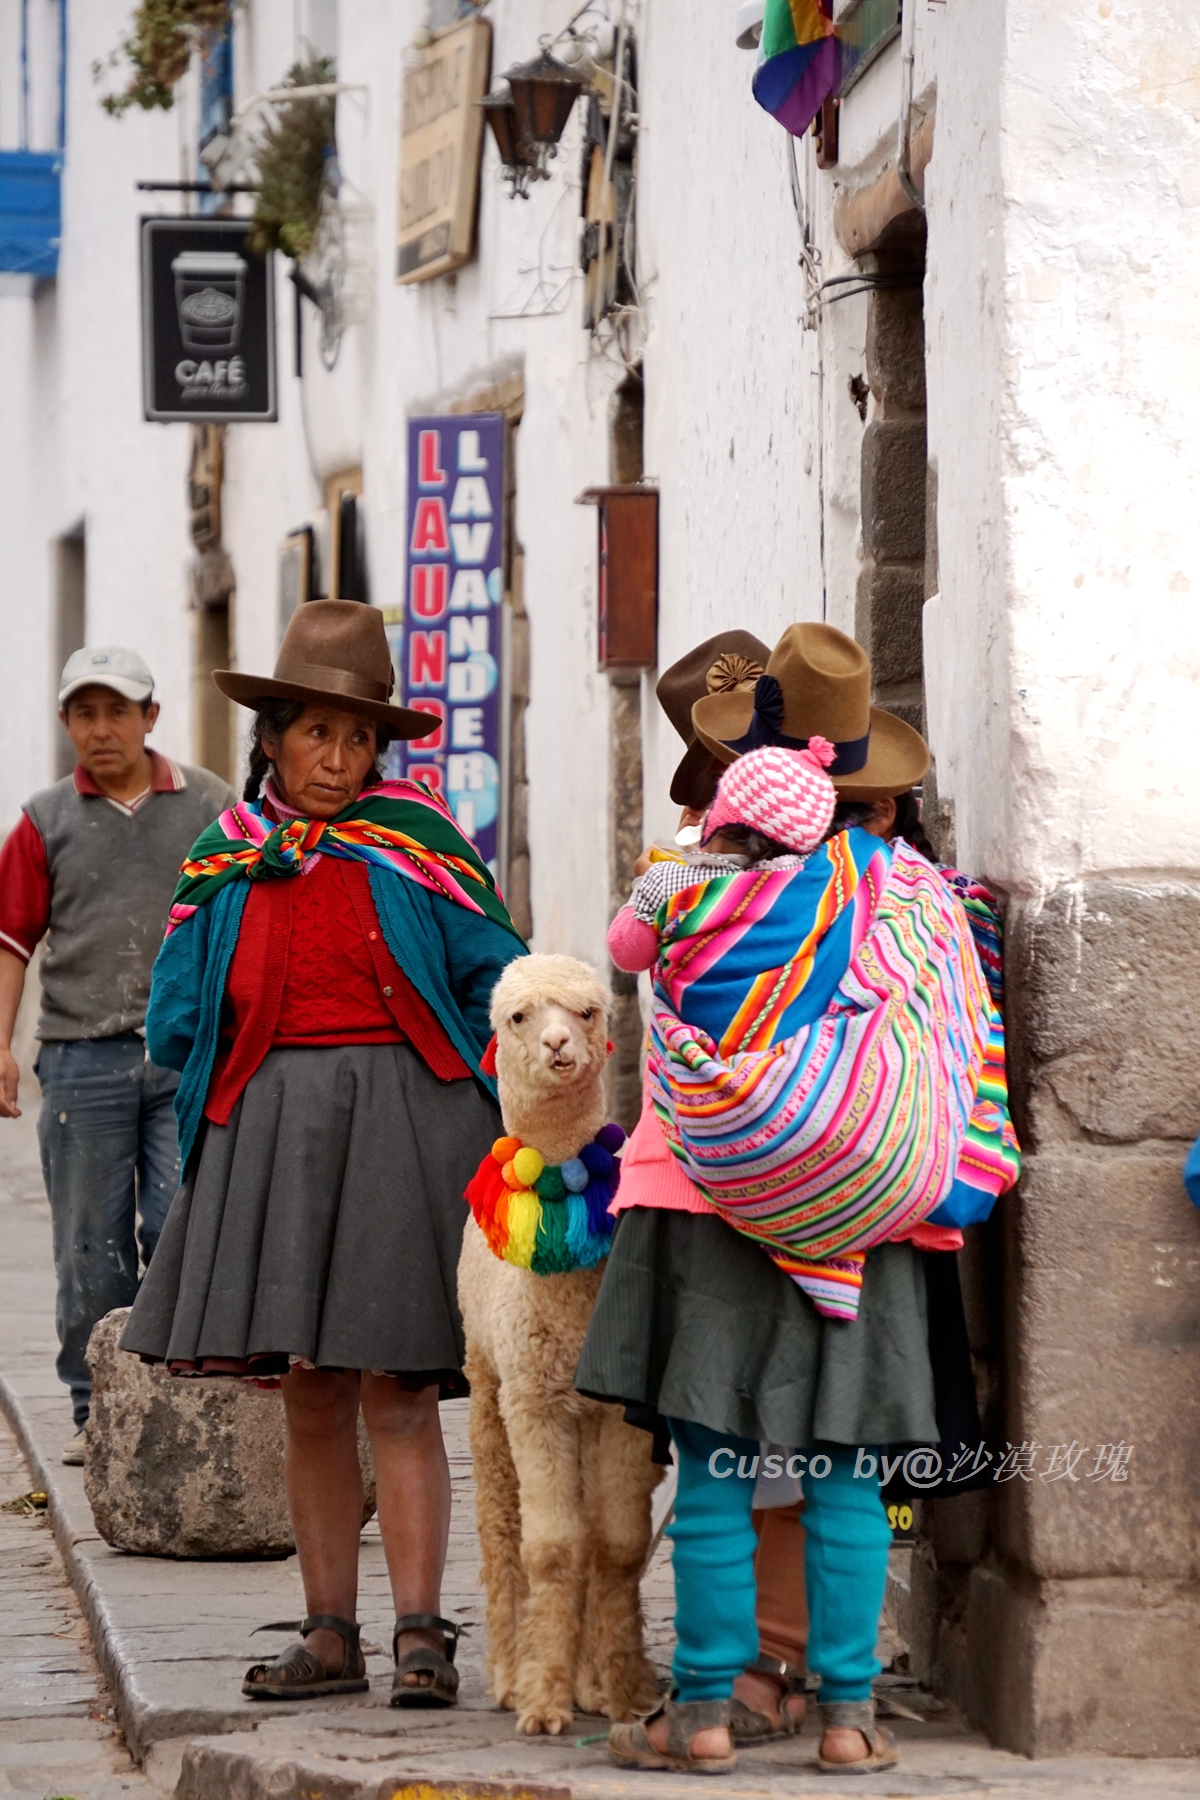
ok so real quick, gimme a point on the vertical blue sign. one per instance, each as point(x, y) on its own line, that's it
point(450, 652)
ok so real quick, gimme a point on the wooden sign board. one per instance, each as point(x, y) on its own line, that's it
point(628, 575)
point(441, 141)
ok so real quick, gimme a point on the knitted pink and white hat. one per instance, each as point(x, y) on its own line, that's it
point(783, 794)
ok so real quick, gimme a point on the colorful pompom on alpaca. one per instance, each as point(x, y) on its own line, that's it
point(548, 1217)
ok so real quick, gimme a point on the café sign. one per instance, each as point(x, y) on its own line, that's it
point(440, 146)
point(208, 322)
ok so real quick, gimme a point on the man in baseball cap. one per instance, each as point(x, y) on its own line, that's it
point(94, 860)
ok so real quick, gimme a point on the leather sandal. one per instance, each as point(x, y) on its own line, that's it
point(857, 1715)
point(631, 1745)
point(299, 1674)
point(749, 1726)
point(443, 1689)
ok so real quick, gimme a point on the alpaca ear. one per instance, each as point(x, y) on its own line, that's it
point(487, 1061)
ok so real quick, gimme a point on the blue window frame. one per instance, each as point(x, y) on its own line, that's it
point(216, 98)
point(31, 180)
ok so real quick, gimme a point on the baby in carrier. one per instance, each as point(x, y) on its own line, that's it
point(820, 1025)
point(772, 809)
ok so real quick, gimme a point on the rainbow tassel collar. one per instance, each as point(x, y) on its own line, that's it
point(548, 1217)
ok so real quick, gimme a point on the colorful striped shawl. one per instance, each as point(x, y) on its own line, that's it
point(827, 1141)
point(990, 1160)
point(399, 825)
point(753, 956)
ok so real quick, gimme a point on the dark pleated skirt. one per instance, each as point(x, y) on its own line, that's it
point(324, 1222)
point(695, 1322)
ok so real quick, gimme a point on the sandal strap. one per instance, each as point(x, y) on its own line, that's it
point(848, 1715)
point(686, 1717)
point(346, 1629)
point(450, 1628)
point(789, 1675)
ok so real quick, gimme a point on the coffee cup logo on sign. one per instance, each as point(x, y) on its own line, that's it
point(209, 292)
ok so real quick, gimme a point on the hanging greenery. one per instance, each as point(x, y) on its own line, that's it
point(291, 165)
point(164, 37)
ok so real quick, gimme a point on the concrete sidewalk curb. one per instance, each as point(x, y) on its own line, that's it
point(217, 1770)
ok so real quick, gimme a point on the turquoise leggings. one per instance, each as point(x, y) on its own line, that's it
point(845, 1567)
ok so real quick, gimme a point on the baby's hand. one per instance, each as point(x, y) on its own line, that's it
point(643, 861)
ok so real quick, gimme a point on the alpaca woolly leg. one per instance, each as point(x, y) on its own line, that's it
point(591, 1688)
point(545, 1450)
point(619, 1478)
point(498, 1512)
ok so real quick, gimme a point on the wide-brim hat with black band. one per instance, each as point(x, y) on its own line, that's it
point(334, 653)
point(818, 683)
point(721, 664)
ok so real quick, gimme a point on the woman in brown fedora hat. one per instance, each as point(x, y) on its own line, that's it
point(691, 1326)
point(324, 990)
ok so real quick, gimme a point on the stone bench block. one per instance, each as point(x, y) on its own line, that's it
point(187, 1468)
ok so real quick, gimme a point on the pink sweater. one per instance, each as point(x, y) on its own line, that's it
point(632, 943)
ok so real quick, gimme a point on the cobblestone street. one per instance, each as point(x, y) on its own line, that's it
point(57, 1735)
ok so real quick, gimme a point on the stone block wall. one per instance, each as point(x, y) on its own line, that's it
point(1081, 1623)
point(891, 582)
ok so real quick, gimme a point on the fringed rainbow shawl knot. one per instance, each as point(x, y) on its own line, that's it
point(548, 1217)
point(400, 826)
point(822, 1138)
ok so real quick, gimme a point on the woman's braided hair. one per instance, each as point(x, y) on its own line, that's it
point(908, 821)
point(271, 721)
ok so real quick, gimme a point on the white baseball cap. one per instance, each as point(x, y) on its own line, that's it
point(110, 666)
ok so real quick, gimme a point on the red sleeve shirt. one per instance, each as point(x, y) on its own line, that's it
point(24, 889)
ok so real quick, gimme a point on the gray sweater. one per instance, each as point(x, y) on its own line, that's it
point(112, 876)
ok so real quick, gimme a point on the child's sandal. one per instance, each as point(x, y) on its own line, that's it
point(857, 1715)
point(632, 1747)
point(749, 1726)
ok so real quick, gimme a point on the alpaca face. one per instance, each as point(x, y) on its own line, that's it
point(553, 1044)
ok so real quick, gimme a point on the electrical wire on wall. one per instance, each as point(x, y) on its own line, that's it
point(810, 264)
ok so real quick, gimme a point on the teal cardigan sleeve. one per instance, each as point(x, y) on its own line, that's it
point(183, 1019)
point(453, 958)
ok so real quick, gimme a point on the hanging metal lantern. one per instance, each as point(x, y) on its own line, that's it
point(516, 155)
point(544, 92)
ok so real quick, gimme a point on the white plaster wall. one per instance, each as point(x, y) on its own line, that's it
point(966, 642)
point(422, 349)
point(73, 445)
point(731, 395)
point(1074, 355)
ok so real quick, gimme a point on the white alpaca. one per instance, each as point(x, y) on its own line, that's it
point(563, 1485)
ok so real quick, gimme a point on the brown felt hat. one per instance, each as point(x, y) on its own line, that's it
point(817, 683)
point(334, 653)
point(720, 664)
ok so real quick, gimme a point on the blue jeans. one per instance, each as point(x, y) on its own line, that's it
point(845, 1566)
point(109, 1151)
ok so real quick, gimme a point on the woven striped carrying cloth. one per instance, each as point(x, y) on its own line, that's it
point(852, 1127)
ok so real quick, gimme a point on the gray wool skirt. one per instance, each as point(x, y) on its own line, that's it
point(693, 1321)
point(323, 1222)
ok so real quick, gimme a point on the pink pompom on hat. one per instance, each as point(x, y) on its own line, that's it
point(782, 794)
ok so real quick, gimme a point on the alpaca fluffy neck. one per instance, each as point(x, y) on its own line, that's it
point(557, 1121)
